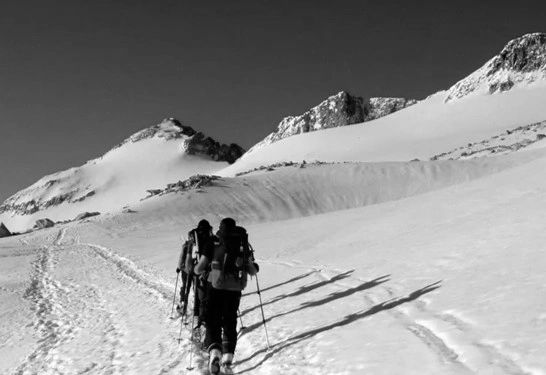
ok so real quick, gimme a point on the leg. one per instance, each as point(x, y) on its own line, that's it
point(213, 337)
point(203, 296)
point(230, 306)
point(183, 287)
point(189, 279)
point(196, 296)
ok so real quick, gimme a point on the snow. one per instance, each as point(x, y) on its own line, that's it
point(438, 271)
point(118, 178)
point(375, 260)
point(421, 131)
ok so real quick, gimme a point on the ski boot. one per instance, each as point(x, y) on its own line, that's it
point(227, 363)
point(179, 309)
point(214, 361)
point(198, 330)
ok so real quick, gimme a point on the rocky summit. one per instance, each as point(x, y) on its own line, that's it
point(200, 144)
point(193, 142)
point(338, 110)
point(522, 61)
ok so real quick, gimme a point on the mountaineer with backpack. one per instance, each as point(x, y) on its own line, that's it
point(230, 262)
point(200, 241)
point(186, 280)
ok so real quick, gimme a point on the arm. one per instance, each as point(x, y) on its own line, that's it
point(181, 259)
point(252, 268)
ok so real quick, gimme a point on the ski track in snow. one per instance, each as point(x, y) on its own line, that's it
point(448, 334)
point(61, 308)
point(53, 325)
point(454, 339)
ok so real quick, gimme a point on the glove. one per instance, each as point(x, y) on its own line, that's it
point(178, 270)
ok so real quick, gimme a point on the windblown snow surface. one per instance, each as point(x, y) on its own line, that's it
point(420, 131)
point(118, 178)
point(366, 268)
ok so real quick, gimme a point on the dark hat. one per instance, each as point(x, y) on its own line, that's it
point(227, 223)
point(204, 224)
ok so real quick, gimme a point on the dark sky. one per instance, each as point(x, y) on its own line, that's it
point(77, 77)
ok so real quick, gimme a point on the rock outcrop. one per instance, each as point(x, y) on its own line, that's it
point(43, 223)
point(509, 141)
point(195, 182)
point(522, 61)
point(379, 107)
point(85, 215)
point(193, 142)
point(199, 144)
point(4, 232)
point(338, 110)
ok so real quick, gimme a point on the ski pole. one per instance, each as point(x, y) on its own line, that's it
point(263, 315)
point(192, 325)
point(180, 332)
point(241, 319)
point(174, 295)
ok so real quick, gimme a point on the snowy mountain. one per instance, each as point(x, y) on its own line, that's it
point(338, 110)
point(521, 63)
point(150, 158)
point(430, 127)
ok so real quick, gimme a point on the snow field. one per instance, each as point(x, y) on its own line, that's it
point(429, 276)
point(118, 178)
point(421, 131)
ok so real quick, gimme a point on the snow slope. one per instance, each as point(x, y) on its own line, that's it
point(442, 279)
point(421, 131)
point(149, 159)
point(507, 92)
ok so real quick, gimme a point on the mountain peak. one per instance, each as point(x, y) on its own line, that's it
point(522, 61)
point(168, 128)
point(524, 54)
point(154, 156)
point(337, 110)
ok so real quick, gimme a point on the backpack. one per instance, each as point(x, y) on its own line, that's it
point(232, 256)
point(192, 250)
point(184, 255)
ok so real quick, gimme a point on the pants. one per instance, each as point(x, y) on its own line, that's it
point(221, 319)
point(200, 299)
point(185, 288)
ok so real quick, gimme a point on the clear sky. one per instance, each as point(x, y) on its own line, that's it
point(77, 77)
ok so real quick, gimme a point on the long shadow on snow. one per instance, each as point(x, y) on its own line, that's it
point(281, 284)
point(330, 298)
point(301, 290)
point(387, 305)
